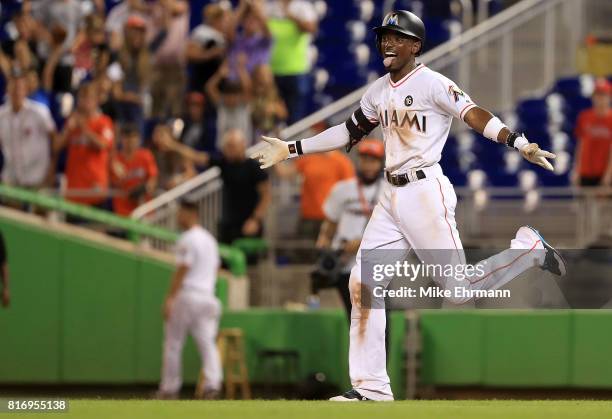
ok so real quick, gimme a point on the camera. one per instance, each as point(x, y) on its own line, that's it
point(328, 268)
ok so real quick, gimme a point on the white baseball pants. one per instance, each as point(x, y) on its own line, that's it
point(419, 216)
point(197, 314)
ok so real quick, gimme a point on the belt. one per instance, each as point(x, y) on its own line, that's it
point(403, 179)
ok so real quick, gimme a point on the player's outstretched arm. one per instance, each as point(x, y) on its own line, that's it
point(277, 150)
point(484, 122)
point(347, 134)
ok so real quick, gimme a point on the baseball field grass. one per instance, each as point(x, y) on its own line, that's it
point(137, 409)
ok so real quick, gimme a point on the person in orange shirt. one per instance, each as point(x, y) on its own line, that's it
point(320, 172)
point(593, 159)
point(134, 172)
point(89, 136)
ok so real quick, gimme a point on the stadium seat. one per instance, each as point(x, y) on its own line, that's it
point(551, 179)
point(568, 87)
point(503, 179)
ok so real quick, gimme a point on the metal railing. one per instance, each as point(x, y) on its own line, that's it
point(138, 232)
point(571, 217)
point(205, 189)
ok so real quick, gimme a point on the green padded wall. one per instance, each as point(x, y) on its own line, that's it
point(153, 283)
point(452, 347)
point(29, 342)
point(527, 348)
point(83, 312)
point(592, 348)
point(99, 327)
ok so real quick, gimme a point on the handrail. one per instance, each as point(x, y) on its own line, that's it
point(174, 193)
point(233, 257)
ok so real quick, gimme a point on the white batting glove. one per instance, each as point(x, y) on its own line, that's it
point(532, 153)
point(274, 152)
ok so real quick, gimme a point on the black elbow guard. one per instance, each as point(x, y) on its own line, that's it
point(358, 126)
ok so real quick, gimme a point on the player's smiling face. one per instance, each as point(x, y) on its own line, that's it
point(398, 50)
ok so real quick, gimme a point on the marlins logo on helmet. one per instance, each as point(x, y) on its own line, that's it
point(391, 19)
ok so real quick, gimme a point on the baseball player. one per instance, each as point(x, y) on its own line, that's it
point(414, 106)
point(191, 307)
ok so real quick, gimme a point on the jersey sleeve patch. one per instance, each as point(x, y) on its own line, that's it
point(455, 92)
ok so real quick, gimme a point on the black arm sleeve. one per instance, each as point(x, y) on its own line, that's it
point(358, 126)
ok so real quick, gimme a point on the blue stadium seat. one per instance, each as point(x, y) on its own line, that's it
point(456, 177)
point(109, 4)
point(502, 179)
point(550, 179)
point(495, 6)
point(438, 32)
point(568, 87)
point(532, 112)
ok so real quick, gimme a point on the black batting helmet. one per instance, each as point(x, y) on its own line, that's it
point(404, 22)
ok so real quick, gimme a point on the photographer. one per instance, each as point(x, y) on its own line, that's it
point(347, 211)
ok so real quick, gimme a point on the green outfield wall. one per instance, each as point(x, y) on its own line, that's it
point(84, 312)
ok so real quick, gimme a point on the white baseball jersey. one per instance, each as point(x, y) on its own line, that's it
point(198, 249)
point(415, 115)
point(350, 205)
point(195, 311)
point(24, 137)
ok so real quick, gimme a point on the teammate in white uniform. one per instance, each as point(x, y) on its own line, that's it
point(414, 107)
point(347, 209)
point(191, 307)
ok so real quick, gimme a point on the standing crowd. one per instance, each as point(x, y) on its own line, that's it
point(113, 102)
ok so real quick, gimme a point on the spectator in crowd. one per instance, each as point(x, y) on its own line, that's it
point(253, 38)
point(131, 73)
point(320, 172)
point(292, 23)
point(106, 100)
point(269, 110)
point(135, 172)
point(174, 168)
point(246, 191)
point(169, 65)
point(91, 51)
point(593, 157)
point(67, 14)
point(22, 49)
point(5, 67)
point(60, 22)
point(194, 131)
point(206, 46)
point(118, 16)
point(37, 92)
point(27, 133)
point(232, 99)
point(88, 134)
point(347, 209)
point(4, 273)
point(50, 73)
